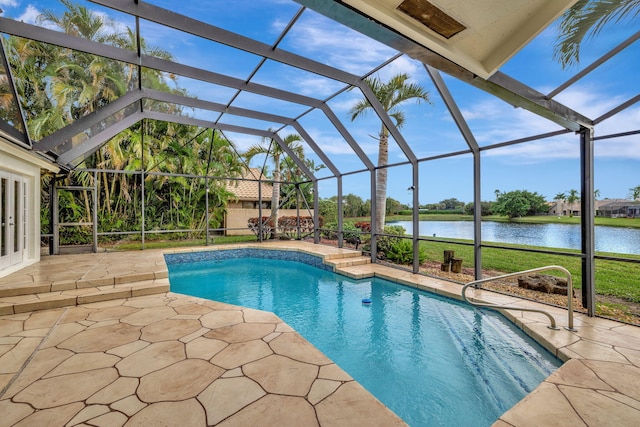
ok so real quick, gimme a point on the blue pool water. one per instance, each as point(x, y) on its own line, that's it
point(432, 360)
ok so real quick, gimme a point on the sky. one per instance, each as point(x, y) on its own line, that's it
point(548, 166)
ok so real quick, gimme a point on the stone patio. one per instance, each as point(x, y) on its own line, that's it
point(98, 339)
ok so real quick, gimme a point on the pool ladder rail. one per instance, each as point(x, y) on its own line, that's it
point(476, 284)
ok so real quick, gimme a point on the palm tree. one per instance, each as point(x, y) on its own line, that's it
point(391, 95)
point(30, 63)
point(291, 173)
point(277, 155)
point(9, 111)
point(635, 192)
point(586, 19)
point(560, 198)
point(572, 198)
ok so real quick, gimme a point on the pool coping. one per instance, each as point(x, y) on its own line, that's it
point(599, 383)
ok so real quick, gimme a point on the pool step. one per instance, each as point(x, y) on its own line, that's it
point(42, 297)
point(28, 288)
point(348, 262)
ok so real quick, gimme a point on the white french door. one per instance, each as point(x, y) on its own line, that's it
point(13, 219)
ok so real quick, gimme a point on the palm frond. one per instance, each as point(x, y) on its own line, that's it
point(585, 20)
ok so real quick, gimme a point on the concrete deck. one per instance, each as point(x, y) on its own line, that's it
point(98, 339)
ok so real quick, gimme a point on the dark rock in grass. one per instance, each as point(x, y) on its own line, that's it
point(544, 283)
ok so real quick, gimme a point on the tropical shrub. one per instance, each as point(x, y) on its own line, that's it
point(365, 227)
point(328, 210)
point(385, 242)
point(349, 230)
point(287, 225)
point(401, 252)
point(264, 232)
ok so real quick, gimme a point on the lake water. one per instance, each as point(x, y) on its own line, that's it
point(619, 240)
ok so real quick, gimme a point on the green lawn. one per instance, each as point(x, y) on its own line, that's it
point(161, 244)
point(615, 278)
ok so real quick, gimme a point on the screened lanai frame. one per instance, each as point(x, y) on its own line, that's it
point(502, 86)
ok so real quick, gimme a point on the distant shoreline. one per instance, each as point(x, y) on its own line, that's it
point(546, 219)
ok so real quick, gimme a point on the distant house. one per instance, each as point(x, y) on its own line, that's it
point(562, 208)
point(614, 208)
point(618, 208)
point(251, 192)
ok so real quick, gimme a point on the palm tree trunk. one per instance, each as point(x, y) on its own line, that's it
point(275, 199)
point(381, 180)
point(87, 205)
point(105, 185)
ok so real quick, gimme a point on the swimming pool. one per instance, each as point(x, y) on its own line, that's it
point(432, 360)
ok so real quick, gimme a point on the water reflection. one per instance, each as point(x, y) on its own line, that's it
point(607, 239)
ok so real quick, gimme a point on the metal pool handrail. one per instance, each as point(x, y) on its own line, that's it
point(522, 273)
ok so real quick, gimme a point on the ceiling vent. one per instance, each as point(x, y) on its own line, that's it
point(432, 17)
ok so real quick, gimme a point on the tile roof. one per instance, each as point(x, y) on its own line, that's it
point(246, 189)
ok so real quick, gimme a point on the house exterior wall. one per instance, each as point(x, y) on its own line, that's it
point(18, 161)
point(237, 218)
point(248, 204)
point(560, 208)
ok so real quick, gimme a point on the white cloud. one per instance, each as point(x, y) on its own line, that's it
point(566, 147)
point(537, 151)
point(625, 120)
point(336, 145)
point(344, 103)
point(628, 148)
point(588, 100)
point(336, 45)
point(30, 15)
point(243, 141)
point(404, 64)
point(8, 3)
point(484, 110)
point(110, 25)
point(517, 123)
point(316, 87)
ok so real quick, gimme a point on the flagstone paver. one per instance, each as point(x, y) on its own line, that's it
point(117, 390)
point(169, 330)
point(296, 347)
point(242, 332)
point(321, 389)
point(101, 339)
point(350, 406)
point(179, 381)
point(129, 405)
point(58, 416)
point(238, 354)
point(226, 396)
point(151, 358)
point(204, 348)
point(185, 413)
point(281, 375)
point(169, 359)
point(83, 362)
point(274, 410)
point(65, 389)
